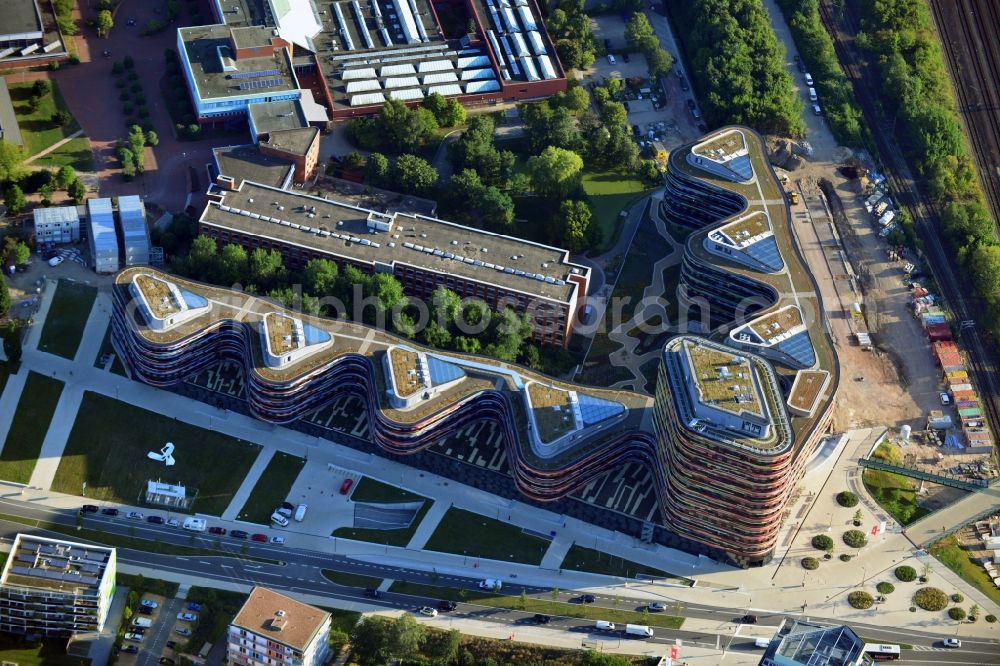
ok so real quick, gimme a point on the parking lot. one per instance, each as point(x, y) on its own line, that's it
point(153, 644)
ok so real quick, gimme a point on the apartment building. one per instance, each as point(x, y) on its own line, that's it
point(274, 630)
point(54, 588)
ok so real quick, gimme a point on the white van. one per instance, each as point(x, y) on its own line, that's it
point(762, 642)
point(491, 584)
point(144, 622)
point(279, 519)
point(611, 59)
point(809, 78)
point(640, 630)
point(604, 625)
point(195, 524)
point(812, 95)
point(300, 512)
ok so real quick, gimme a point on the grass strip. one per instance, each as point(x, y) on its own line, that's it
point(370, 490)
point(465, 533)
point(351, 579)
point(533, 605)
point(953, 556)
point(66, 319)
point(28, 429)
point(272, 488)
point(587, 559)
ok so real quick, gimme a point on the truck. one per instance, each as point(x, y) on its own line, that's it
point(640, 630)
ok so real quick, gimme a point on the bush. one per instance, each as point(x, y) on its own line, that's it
point(956, 613)
point(991, 618)
point(135, 87)
point(54, 66)
point(822, 542)
point(120, 83)
point(860, 599)
point(847, 499)
point(844, 557)
point(957, 598)
point(127, 108)
point(931, 599)
point(855, 538)
point(810, 563)
point(885, 588)
point(906, 574)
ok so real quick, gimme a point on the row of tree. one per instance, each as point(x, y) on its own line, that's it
point(449, 322)
point(131, 151)
point(569, 27)
point(14, 181)
point(738, 65)
point(403, 129)
point(915, 82)
point(816, 50)
point(640, 36)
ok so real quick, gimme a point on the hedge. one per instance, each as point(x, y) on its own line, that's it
point(855, 538)
point(810, 563)
point(885, 588)
point(956, 613)
point(860, 599)
point(931, 599)
point(822, 542)
point(906, 574)
point(847, 499)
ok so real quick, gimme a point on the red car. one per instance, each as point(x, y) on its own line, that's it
point(259, 537)
point(345, 487)
point(216, 530)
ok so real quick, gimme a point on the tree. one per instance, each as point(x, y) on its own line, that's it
point(369, 640)
point(377, 170)
point(435, 335)
point(522, 601)
point(404, 637)
point(592, 658)
point(437, 105)
point(11, 333)
point(444, 647)
point(555, 172)
point(202, 258)
point(574, 225)
point(575, 99)
point(445, 306)
point(497, 209)
point(400, 127)
point(64, 177)
point(454, 114)
point(354, 161)
point(659, 62)
point(10, 161)
point(46, 192)
point(4, 297)
point(613, 114)
point(41, 87)
point(267, 269)
point(321, 277)
point(414, 174)
point(639, 32)
point(105, 21)
point(388, 290)
point(463, 194)
point(62, 118)
point(137, 144)
point(233, 264)
point(152, 138)
point(14, 199)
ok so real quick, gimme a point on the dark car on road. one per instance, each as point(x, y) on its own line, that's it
point(145, 610)
point(109, 511)
point(216, 530)
point(156, 520)
point(372, 593)
point(447, 606)
point(88, 508)
point(238, 534)
point(541, 619)
point(748, 619)
point(261, 538)
point(684, 83)
point(586, 599)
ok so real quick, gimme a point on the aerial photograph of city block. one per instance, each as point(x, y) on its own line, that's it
point(499, 332)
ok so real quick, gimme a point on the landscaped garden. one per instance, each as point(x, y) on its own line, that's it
point(107, 450)
point(376, 492)
point(962, 563)
point(67, 317)
point(609, 194)
point(27, 431)
point(44, 120)
point(894, 493)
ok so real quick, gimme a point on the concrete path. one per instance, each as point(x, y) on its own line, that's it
point(58, 434)
point(253, 476)
point(54, 146)
point(427, 526)
point(93, 331)
point(556, 553)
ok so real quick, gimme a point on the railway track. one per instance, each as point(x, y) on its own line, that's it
point(971, 50)
point(982, 360)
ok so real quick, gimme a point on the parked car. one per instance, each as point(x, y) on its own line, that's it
point(690, 104)
point(656, 607)
point(182, 631)
point(286, 509)
point(187, 617)
point(345, 487)
point(238, 534)
point(277, 541)
point(109, 512)
point(279, 519)
point(952, 643)
point(684, 83)
point(149, 603)
point(696, 114)
point(172, 645)
point(133, 636)
point(166, 660)
point(155, 520)
point(428, 611)
point(625, 57)
point(372, 593)
point(447, 606)
point(607, 44)
point(808, 77)
point(748, 619)
point(817, 110)
point(217, 530)
point(800, 65)
point(541, 619)
point(587, 599)
point(145, 610)
point(134, 515)
point(173, 522)
point(194, 606)
point(130, 649)
point(88, 508)
point(611, 59)
point(55, 261)
point(260, 538)
point(945, 399)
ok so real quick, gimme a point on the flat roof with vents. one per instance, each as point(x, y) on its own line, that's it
point(281, 619)
point(54, 564)
point(345, 230)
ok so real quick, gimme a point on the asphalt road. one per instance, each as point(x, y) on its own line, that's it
point(298, 570)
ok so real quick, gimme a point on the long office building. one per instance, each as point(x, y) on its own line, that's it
point(347, 58)
point(423, 253)
point(757, 404)
point(56, 588)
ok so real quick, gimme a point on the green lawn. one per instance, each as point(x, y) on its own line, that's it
point(272, 488)
point(27, 430)
point(894, 492)
point(466, 533)
point(648, 247)
point(376, 492)
point(343, 619)
point(539, 605)
point(588, 559)
point(37, 128)
point(76, 153)
point(68, 313)
point(351, 579)
point(107, 449)
point(610, 193)
point(13, 650)
point(958, 560)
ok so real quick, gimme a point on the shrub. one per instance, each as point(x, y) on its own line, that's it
point(885, 588)
point(74, 59)
point(855, 538)
point(135, 87)
point(822, 542)
point(127, 108)
point(844, 557)
point(991, 618)
point(117, 68)
point(860, 599)
point(810, 563)
point(128, 62)
point(54, 65)
point(124, 95)
point(957, 598)
point(906, 574)
point(120, 83)
point(931, 599)
point(956, 613)
point(847, 498)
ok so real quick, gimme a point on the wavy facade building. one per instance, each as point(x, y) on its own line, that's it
point(739, 413)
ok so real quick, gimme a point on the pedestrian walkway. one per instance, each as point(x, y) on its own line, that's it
point(8, 402)
point(428, 525)
point(57, 436)
point(249, 483)
point(556, 553)
point(55, 146)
